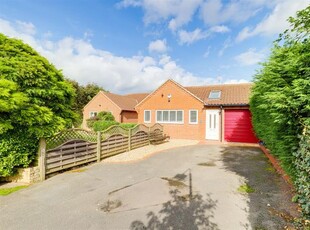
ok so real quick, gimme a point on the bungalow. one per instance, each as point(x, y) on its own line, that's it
point(121, 106)
point(215, 112)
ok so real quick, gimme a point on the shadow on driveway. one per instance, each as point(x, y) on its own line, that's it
point(181, 212)
point(270, 205)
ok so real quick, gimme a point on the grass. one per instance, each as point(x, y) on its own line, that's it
point(7, 191)
point(245, 188)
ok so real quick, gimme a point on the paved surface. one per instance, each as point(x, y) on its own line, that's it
point(156, 193)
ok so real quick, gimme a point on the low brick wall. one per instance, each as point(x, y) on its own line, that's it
point(25, 175)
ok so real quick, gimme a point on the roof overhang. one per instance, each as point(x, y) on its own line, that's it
point(230, 105)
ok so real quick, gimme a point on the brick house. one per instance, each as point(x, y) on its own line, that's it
point(214, 112)
point(121, 106)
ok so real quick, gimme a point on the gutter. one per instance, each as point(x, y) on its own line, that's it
point(222, 105)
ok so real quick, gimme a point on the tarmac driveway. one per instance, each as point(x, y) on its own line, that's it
point(193, 187)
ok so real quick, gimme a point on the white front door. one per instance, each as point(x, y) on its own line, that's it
point(212, 124)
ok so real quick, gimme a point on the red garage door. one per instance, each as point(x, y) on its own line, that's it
point(238, 126)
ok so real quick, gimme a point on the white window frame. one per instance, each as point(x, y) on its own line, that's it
point(170, 122)
point(150, 111)
point(93, 114)
point(189, 117)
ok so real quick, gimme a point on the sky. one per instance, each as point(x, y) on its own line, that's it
point(129, 46)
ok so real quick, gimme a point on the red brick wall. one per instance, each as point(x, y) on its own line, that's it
point(180, 100)
point(129, 117)
point(100, 103)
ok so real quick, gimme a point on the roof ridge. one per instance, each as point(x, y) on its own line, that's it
point(230, 84)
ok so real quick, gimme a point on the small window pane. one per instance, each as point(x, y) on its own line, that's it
point(179, 116)
point(147, 116)
point(159, 116)
point(193, 116)
point(173, 116)
point(93, 114)
point(166, 116)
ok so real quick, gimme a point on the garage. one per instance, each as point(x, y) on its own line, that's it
point(238, 126)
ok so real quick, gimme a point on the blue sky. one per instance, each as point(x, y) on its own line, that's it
point(135, 45)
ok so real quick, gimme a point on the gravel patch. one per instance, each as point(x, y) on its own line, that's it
point(143, 152)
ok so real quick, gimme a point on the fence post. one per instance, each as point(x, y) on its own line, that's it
point(98, 146)
point(129, 139)
point(149, 135)
point(42, 158)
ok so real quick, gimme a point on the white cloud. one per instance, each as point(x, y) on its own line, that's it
point(250, 57)
point(276, 21)
point(227, 43)
point(159, 46)
point(214, 12)
point(177, 12)
point(186, 37)
point(219, 29)
point(26, 27)
point(235, 81)
point(80, 61)
point(207, 53)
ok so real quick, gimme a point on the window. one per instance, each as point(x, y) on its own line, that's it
point(147, 116)
point(169, 116)
point(193, 116)
point(93, 114)
point(215, 94)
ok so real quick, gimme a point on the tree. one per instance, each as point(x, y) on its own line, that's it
point(280, 102)
point(35, 101)
point(83, 95)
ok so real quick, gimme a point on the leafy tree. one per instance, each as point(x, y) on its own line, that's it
point(35, 101)
point(280, 101)
point(83, 95)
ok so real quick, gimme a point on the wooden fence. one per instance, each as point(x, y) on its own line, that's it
point(74, 147)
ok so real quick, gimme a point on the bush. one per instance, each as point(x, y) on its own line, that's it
point(102, 121)
point(17, 150)
point(127, 125)
point(302, 165)
point(103, 125)
point(35, 102)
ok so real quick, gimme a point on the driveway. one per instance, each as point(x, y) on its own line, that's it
point(193, 187)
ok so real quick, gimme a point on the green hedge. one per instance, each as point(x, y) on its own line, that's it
point(302, 165)
point(17, 149)
point(280, 104)
point(103, 125)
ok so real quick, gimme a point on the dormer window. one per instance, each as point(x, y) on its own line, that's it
point(215, 94)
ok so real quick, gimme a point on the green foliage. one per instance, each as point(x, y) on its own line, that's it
point(83, 95)
point(102, 121)
point(35, 101)
point(280, 102)
point(105, 116)
point(127, 125)
point(103, 125)
point(245, 188)
point(7, 191)
point(302, 164)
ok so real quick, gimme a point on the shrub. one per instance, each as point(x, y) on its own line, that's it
point(302, 164)
point(103, 125)
point(127, 125)
point(16, 150)
point(35, 101)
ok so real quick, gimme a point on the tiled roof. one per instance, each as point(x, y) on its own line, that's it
point(126, 102)
point(231, 94)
